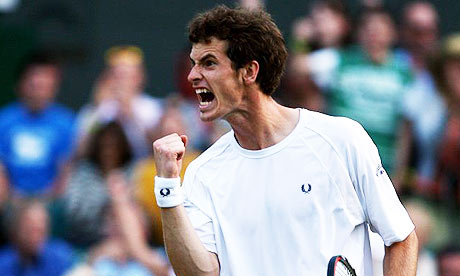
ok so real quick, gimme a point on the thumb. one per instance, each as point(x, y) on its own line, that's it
point(184, 139)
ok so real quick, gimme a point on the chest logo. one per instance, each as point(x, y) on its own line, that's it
point(306, 188)
point(165, 192)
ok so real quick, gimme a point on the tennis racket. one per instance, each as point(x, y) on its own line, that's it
point(339, 266)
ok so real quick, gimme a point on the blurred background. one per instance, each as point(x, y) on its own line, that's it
point(80, 31)
point(87, 86)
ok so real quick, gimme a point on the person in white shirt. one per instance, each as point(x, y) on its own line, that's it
point(286, 189)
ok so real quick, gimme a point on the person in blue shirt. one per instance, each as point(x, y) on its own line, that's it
point(30, 251)
point(37, 133)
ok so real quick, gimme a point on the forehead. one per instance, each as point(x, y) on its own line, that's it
point(215, 47)
point(40, 69)
point(421, 13)
point(376, 19)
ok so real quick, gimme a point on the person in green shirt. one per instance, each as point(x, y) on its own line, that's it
point(367, 83)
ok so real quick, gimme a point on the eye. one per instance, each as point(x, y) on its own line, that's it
point(209, 63)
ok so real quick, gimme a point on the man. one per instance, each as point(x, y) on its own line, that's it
point(419, 33)
point(367, 83)
point(31, 251)
point(286, 189)
point(37, 133)
point(119, 96)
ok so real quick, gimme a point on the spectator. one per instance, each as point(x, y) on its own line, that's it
point(119, 96)
point(125, 250)
point(423, 221)
point(144, 172)
point(449, 261)
point(315, 39)
point(447, 71)
point(419, 43)
point(367, 83)
point(86, 197)
point(31, 252)
point(252, 4)
point(326, 26)
point(37, 133)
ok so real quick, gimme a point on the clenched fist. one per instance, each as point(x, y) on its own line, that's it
point(168, 152)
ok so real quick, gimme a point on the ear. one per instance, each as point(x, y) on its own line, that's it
point(249, 72)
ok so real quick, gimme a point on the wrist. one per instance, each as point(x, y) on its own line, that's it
point(168, 192)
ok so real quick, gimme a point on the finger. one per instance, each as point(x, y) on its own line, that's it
point(171, 149)
point(166, 141)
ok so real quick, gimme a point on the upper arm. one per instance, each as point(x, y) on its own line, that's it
point(411, 241)
point(384, 212)
point(198, 208)
point(203, 226)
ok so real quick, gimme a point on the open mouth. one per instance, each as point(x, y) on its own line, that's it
point(204, 96)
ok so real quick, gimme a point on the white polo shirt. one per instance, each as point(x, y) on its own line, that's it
point(287, 209)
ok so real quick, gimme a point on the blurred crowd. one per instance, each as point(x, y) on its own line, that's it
point(76, 188)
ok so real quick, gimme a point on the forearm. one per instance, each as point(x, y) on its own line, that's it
point(186, 253)
point(128, 219)
point(401, 257)
point(130, 227)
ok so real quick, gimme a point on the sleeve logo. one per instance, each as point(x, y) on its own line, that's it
point(380, 170)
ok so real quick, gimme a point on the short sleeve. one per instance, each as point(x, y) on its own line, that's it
point(196, 206)
point(203, 226)
point(384, 212)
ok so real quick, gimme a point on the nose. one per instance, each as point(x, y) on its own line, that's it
point(194, 76)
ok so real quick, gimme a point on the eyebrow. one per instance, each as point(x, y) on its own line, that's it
point(203, 58)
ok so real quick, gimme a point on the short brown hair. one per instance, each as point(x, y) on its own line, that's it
point(250, 34)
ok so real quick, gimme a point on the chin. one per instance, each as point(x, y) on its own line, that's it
point(209, 116)
point(205, 118)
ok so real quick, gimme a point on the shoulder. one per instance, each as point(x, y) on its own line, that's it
point(59, 246)
point(206, 158)
point(62, 111)
point(336, 129)
point(7, 254)
point(341, 135)
point(9, 260)
point(10, 111)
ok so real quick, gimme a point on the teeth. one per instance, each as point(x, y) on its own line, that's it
point(205, 96)
point(201, 90)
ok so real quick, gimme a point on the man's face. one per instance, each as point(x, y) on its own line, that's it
point(127, 78)
point(331, 26)
point(376, 33)
point(218, 86)
point(39, 85)
point(421, 29)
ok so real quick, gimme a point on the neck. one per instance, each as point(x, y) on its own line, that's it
point(264, 123)
point(378, 55)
